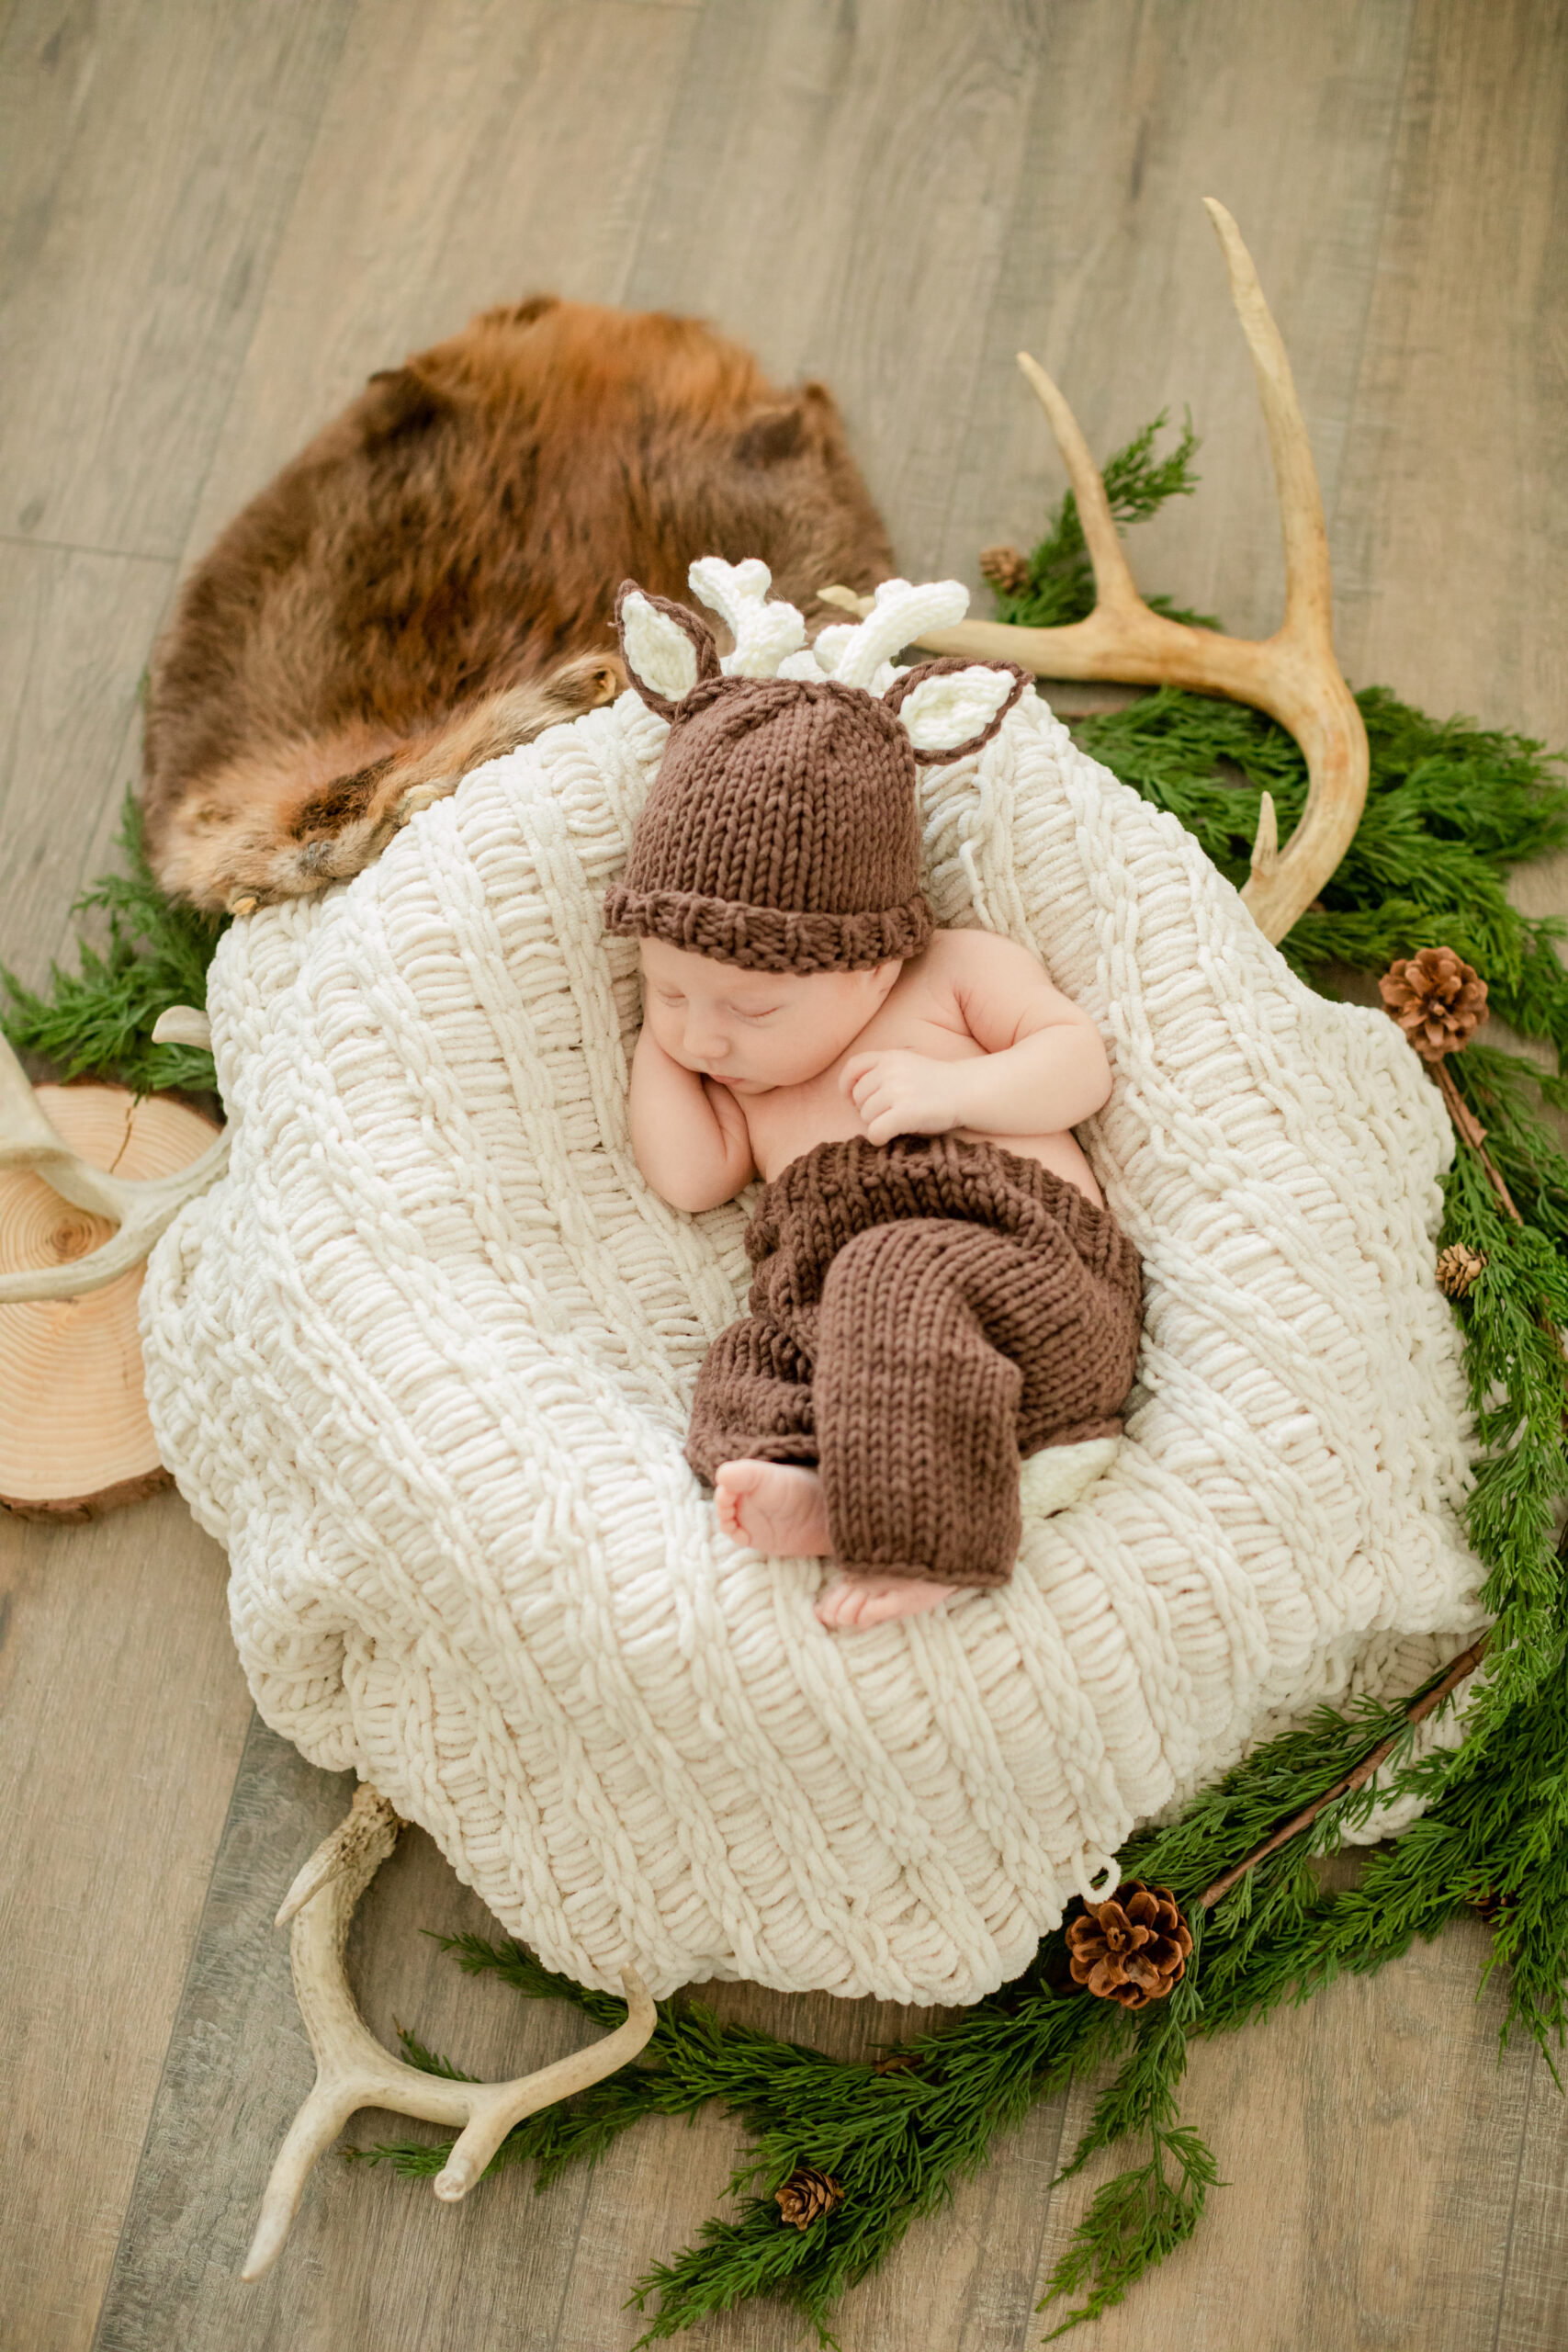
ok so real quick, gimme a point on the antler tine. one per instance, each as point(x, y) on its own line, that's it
point(1293, 675)
point(141, 1209)
point(29, 1139)
point(1309, 599)
point(1114, 588)
point(365, 1835)
point(353, 2070)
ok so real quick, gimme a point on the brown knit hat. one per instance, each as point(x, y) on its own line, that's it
point(780, 832)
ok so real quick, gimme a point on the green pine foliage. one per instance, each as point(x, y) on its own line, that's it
point(98, 1018)
point(1060, 586)
point(1451, 810)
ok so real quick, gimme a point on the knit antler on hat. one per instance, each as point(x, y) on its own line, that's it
point(949, 708)
point(899, 613)
point(765, 634)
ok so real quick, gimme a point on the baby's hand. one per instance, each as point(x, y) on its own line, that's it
point(898, 1094)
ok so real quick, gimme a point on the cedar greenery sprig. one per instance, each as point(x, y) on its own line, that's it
point(898, 2143)
point(98, 1020)
point(1059, 585)
point(1142, 2215)
point(1418, 873)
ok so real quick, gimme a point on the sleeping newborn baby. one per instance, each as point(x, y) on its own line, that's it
point(939, 1288)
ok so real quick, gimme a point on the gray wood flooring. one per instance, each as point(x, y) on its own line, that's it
point(217, 220)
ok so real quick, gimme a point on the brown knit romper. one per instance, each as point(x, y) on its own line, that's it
point(923, 1314)
point(926, 1312)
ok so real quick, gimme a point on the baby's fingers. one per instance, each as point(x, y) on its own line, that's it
point(858, 1066)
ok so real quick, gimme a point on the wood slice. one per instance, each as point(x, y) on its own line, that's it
point(74, 1436)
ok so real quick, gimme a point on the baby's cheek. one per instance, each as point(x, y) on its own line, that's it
point(666, 1032)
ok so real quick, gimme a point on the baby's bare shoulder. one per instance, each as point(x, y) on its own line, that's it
point(956, 956)
point(1001, 990)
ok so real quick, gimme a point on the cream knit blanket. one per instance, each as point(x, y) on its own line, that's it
point(422, 1362)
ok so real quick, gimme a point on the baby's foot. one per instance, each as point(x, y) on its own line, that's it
point(776, 1506)
point(872, 1600)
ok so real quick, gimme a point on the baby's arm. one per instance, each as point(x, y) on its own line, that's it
point(688, 1133)
point(1044, 1067)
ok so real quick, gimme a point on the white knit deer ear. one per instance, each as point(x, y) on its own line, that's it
point(667, 650)
point(951, 707)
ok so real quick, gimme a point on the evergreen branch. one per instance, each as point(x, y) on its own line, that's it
point(1135, 2221)
point(99, 1019)
point(1465, 1664)
point(428, 2062)
point(1059, 587)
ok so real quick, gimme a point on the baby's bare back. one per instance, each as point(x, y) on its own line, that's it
point(957, 982)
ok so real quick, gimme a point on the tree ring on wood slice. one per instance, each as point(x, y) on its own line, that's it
point(74, 1435)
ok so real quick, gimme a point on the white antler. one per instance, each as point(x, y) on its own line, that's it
point(353, 2070)
point(764, 634)
point(140, 1210)
point(1293, 675)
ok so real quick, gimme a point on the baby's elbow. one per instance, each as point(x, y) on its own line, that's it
point(692, 1192)
point(674, 1187)
point(1094, 1072)
point(691, 1199)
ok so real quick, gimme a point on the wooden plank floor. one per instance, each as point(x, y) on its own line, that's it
point(217, 221)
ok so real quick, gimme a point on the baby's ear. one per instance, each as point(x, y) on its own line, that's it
point(951, 707)
point(666, 649)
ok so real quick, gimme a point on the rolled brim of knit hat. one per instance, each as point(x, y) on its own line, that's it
point(769, 939)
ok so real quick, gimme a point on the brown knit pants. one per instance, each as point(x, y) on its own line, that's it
point(924, 1314)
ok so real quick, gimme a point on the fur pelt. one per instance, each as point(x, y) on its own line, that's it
point(431, 582)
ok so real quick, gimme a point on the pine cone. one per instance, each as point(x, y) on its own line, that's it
point(1495, 1907)
point(1132, 1948)
point(805, 2194)
point(1438, 1000)
point(1459, 1269)
point(1005, 568)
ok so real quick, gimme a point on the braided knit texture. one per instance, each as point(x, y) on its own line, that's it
point(424, 1362)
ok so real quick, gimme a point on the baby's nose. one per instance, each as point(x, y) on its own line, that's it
point(705, 1043)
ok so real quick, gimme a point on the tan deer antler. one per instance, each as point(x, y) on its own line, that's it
point(1293, 675)
point(353, 2070)
point(140, 1209)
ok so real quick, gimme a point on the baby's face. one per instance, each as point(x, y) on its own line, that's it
point(754, 1029)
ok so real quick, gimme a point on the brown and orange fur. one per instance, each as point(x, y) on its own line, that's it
point(431, 582)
